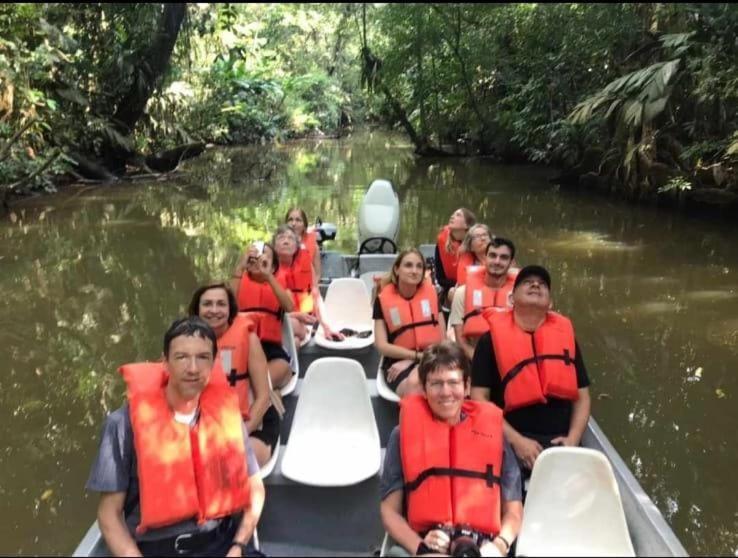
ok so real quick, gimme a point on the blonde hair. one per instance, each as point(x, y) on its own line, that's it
point(391, 277)
point(470, 219)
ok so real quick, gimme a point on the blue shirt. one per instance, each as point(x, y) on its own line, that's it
point(115, 470)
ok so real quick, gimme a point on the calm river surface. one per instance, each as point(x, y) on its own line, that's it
point(92, 278)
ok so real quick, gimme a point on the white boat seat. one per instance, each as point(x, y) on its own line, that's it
point(334, 439)
point(379, 212)
point(268, 467)
point(368, 278)
point(384, 391)
point(376, 262)
point(288, 341)
point(347, 305)
point(573, 507)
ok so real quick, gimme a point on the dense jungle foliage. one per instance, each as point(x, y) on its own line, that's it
point(638, 98)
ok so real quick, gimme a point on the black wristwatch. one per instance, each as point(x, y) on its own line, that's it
point(243, 546)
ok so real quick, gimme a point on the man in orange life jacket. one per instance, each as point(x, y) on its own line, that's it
point(188, 426)
point(452, 449)
point(530, 365)
point(487, 287)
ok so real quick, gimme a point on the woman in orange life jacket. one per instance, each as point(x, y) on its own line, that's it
point(456, 440)
point(287, 249)
point(406, 296)
point(216, 305)
point(297, 220)
point(473, 250)
point(257, 276)
point(448, 246)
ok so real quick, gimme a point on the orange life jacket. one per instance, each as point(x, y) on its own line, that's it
point(480, 297)
point(185, 472)
point(534, 366)
point(449, 260)
point(310, 243)
point(413, 323)
point(299, 280)
point(466, 260)
point(452, 473)
point(236, 340)
point(263, 307)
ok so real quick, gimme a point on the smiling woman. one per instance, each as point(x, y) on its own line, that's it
point(242, 359)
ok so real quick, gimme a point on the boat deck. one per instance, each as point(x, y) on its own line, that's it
point(300, 520)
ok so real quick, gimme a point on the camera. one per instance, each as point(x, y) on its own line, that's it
point(465, 541)
point(324, 231)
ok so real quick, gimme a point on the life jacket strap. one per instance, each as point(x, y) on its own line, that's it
point(234, 377)
point(278, 313)
point(402, 329)
point(476, 312)
point(488, 476)
point(518, 368)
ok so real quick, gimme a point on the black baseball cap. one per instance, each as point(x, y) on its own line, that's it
point(533, 270)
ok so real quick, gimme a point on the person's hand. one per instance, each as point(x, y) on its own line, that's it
point(527, 450)
point(394, 370)
point(332, 335)
point(304, 317)
point(254, 268)
point(437, 540)
point(489, 548)
point(563, 441)
point(234, 551)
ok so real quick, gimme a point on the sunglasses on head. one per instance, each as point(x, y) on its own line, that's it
point(348, 332)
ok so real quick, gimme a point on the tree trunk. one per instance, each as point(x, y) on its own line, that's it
point(152, 67)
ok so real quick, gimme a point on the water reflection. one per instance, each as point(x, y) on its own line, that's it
point(92, 278)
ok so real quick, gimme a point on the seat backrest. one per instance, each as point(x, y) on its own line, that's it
point(573, 507)
point(347, 301)
point(376, 262)
point(288, 341)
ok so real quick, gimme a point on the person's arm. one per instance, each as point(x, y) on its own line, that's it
point(512, 517)
point(578, 423)
point(456, 319)
point(250, 516)
point(317, 271)
point(527, 449)
point(112, 525)
point(396, 525)
point(388, 349)
point(259, 379)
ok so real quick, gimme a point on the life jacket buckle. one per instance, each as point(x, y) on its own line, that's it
point(567, 357)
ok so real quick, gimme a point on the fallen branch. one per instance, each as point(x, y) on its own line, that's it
point(5, 151)
point(37, 172)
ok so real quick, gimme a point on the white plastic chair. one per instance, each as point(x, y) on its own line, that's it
point(288, 340)
point(347, 305)
point(384, 391)
point(334, 439)
point(573, 507)
point(268, 467)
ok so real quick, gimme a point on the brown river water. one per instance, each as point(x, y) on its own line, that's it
point(92, 277)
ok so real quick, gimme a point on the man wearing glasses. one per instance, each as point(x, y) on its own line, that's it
point(530, 365)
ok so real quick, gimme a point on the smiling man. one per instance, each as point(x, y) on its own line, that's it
point(175, 470)
point(530, 365)
point(447, 466)
point(487, 286)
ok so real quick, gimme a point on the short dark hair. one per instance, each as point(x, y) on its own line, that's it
point(498, 241)
point(189, 326)
point(194, 308)
point(445, 354)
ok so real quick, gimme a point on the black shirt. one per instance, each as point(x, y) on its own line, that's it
point(542, 421)
point(441, 278)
